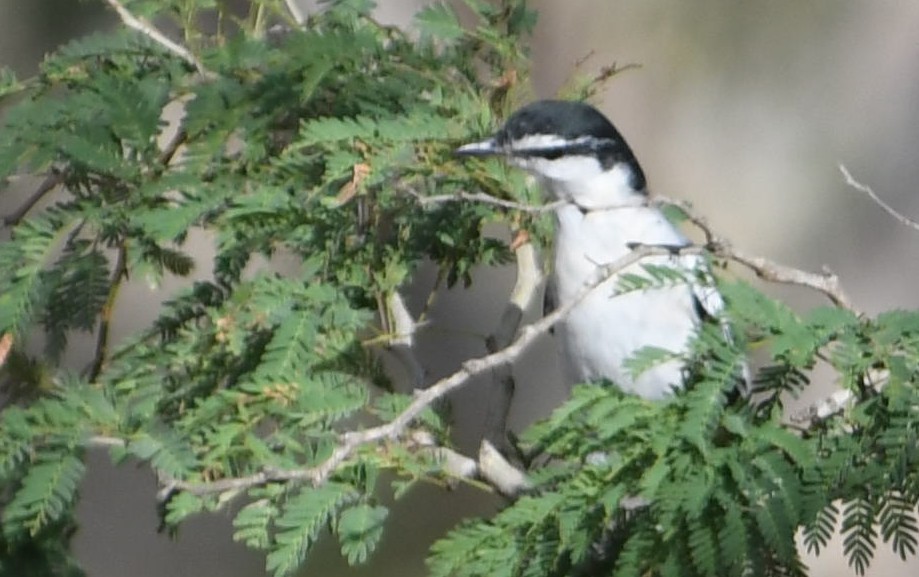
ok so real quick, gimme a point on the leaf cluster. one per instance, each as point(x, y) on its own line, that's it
point(308, 142)
point(706, 485)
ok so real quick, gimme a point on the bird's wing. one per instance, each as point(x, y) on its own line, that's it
point(710, 304)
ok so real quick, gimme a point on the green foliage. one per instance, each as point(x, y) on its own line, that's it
point(359, 530)
point(300, 522)
point(311, 143)
point(702, 486)
point(44, 496)
point(315, 144)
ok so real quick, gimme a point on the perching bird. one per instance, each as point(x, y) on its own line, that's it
point(580, 158)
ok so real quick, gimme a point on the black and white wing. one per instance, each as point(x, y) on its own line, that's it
point(710, 305)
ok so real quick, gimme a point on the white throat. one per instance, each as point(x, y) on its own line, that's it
point(582, 181)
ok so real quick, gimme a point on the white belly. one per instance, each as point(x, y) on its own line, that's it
point(606, 329)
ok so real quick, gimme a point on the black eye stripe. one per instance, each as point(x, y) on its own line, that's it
point(590, 147)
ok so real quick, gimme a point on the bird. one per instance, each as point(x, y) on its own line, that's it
point(602, 212)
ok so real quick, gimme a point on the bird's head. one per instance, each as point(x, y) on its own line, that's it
point(570, 146)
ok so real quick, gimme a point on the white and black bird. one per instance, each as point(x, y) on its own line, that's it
point(581, 159)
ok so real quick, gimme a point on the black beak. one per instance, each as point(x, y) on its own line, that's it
point(483, 148)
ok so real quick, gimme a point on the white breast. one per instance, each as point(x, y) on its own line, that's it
point(605, 329)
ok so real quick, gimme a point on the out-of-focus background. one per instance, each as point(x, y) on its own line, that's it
point(744, 108)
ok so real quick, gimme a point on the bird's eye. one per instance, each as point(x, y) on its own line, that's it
point(552, 153)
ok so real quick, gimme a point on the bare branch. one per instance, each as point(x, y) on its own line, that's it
point(529, 277)
point(483, 198)
point(839, 401)
point(170, 148)
point(102, 337)
point(103, 442)
point(55, 178)
point(494, 468)
point(296, 12)
point(491, 466)
point(873, 196)
point(151, 32)
point(452, 463)
point(402, 342)
point(825, 282)
point(6, 345)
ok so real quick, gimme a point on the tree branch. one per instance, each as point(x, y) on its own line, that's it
point(529, 277)
point(102, 337)
point(151, 32)
point(825, 282)
point(491, 466)
point(483, 198)
point(402, 341)
point(873, 196)
point(351, 441)
point(296, 12)
point(51, 181)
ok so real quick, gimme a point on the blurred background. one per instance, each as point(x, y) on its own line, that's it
point(746, 109)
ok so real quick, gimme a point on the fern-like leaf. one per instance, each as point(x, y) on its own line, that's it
point(897, 521)
point(46, 493)
point(253, 524)
point(167, 452)
point(359, 530)
point(298, 526)
point(859, 534)
point(818, 533)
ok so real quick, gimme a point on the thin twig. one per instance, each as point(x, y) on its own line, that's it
point(529, 277)
point(873, 196)
point(490, 466)
point(499, 473)
point(171, 147)
point(102, 337)
point(841, 400)
point(104, 442)
point(51, 181)
point(402, 341)
point(825, 282)
point(295, 11)
point(483, 198)
point(151, 32)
